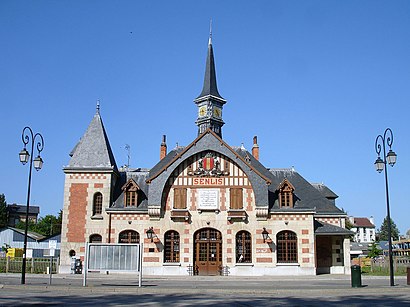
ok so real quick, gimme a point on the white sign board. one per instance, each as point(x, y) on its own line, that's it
point(49, 252)
point(208, 199)
point(29, 253)
point(113, 257)
point(52, 244)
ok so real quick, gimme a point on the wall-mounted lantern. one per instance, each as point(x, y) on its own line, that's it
point(265, 235)
point(150, 234)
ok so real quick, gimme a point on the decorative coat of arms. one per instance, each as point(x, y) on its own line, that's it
point(209, 166)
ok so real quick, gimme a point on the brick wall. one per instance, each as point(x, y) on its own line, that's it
point(77, 212)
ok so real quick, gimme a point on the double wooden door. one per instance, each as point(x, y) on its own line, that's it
point(208, 251)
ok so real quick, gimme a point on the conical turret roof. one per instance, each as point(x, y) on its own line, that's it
point(93, 150)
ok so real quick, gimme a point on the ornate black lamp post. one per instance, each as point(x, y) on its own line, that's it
point(24, 155)
point(380, 164)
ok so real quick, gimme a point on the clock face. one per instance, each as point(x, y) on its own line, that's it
point(217, 112)
point(202, 111)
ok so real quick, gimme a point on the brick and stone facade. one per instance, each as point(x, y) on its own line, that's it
point(212, 207)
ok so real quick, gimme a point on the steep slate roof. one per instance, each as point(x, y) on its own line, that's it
point(322, 228)
point(326, 192)
point(93, 150)
point(210, 88)
point(166, 160)
point(307, 197)
point(14, 208)
point(362, 222)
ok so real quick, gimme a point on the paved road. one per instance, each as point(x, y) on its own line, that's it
point(121, 290)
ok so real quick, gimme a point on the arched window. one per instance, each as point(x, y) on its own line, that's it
point(171, 246)
point(287, 247)
point(243, 247)
point(129, 236)
point(95, 238)
point(97, 204)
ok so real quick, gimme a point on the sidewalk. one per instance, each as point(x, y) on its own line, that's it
point(122, 289)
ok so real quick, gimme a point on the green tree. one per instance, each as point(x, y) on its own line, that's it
point(3, 211)
point(22, 225)
point(46, 226)
point(374, 251)
point(384, 234)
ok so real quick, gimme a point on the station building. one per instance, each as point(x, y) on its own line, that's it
point(204, 208)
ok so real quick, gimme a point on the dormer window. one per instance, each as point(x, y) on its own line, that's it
point(130, 189)
point(286, 194)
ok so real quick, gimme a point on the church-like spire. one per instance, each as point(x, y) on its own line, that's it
point(210, 87)
point(210, 102)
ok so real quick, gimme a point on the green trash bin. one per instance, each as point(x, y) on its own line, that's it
point(356, 275)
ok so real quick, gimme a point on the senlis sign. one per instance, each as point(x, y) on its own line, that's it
point(208, 181)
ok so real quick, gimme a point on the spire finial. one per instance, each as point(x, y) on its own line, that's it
point(98, 106)
point(210, 32)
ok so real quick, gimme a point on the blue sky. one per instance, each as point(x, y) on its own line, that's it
point(316, 81)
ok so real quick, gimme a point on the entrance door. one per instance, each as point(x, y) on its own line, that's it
point(323, 254)
point(208, 251)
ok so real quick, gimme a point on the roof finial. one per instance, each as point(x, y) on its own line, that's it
point(210, 32)
point(98, 106)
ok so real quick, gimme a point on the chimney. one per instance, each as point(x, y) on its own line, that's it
point(163, 149)
point(255, 148)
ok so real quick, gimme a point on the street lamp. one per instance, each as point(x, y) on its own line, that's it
point(380, 164)
point(24, 156)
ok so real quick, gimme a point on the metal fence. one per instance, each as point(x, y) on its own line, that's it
point(33, 265)
point(381, 264)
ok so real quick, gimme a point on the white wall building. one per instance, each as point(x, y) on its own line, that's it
point(364, 229)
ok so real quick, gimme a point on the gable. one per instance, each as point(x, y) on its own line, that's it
point(206, 142)
point(131, 185)
point(203, 142)
point(209, 168)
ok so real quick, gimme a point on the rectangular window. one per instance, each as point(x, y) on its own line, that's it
point(180, 198)
point(130, 199)
point(236, 199)
point(286, 199)
point(171, 246)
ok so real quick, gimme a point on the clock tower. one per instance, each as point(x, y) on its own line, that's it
point(210, 102)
